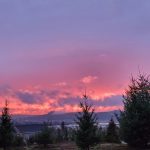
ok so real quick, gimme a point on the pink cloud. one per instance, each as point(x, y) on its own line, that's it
point(54, 98)
point(88, 79)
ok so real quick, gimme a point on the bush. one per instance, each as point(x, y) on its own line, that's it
point(18, 141)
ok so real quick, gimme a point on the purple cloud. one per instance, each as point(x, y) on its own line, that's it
point(108, 101)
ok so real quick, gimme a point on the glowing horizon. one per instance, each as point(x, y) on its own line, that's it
point(60, 97)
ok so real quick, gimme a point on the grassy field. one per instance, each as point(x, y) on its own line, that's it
point(72, 146)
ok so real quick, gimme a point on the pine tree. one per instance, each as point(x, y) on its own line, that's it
point(6, 128)
point(45, 136)
point(112, 133)
point(64, 131)
point(135, 119)
point(86, 134)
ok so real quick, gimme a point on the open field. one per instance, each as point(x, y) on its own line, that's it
point(72, 146)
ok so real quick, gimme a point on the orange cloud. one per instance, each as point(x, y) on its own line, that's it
point(60, 97)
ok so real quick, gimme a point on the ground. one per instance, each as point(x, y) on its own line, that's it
point(72, 146)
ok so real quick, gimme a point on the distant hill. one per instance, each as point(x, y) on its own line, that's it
point(57, 118)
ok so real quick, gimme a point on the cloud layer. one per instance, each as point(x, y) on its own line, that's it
point(60, 99)
point(52, 50)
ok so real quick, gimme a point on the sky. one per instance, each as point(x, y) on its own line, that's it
point(52, 50)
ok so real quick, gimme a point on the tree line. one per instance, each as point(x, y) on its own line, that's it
point(134, 123)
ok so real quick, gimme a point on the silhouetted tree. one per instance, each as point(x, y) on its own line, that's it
point(31, 140)
point(59, 136)
point(102, 132)
point(6, 128)
point(86, 134)
point(112, 132)
point(71, 134)
point(45, 136)
point(135, 119)
point(64, 131)
point(18, 141)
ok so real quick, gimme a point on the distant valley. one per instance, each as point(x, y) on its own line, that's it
point(58, 118)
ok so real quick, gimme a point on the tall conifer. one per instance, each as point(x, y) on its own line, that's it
point(112, 132)
point(86, 134)
point(135, 119)
point(6, 128)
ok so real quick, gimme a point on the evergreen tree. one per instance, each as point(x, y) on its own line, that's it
point(45, 136)
point(64, 131)
point(135, 119)
point(86, 134)
point(18, 141)
point(6, 128)
point(112, 132)
point(58, 136)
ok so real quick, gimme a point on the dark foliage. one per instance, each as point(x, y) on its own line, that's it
point(18, 141)
point(31, 140)
point(102, 132)
point(6, 128)
point(71, 134)
point(45, 136)
point(64, 131)
point(112, 135)
point(86, 134)
point(135, 119)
